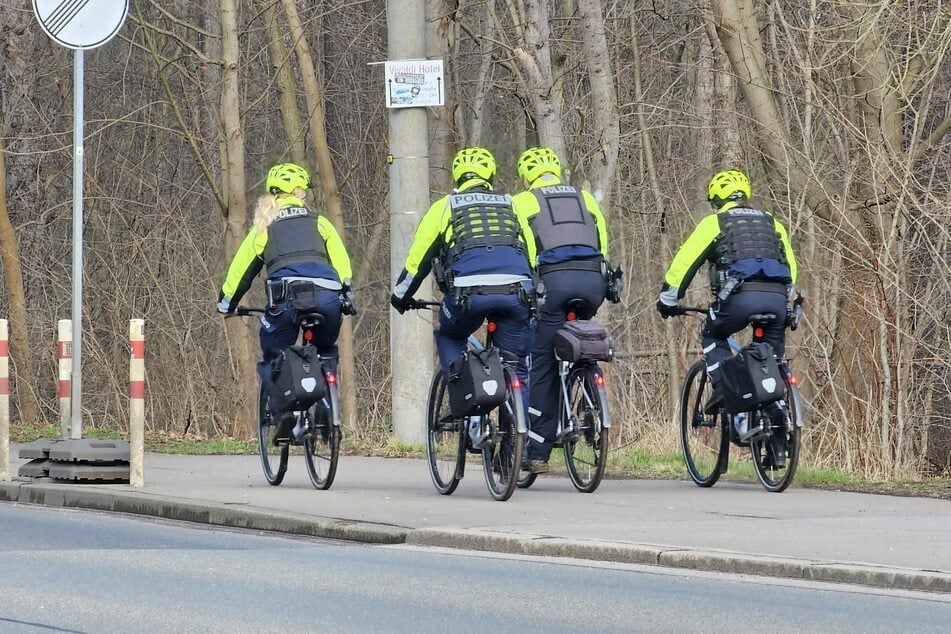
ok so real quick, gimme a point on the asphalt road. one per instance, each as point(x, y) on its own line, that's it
point(78, 571)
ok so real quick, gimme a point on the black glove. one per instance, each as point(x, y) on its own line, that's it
point(666, 310)
point(401, 304)
point(348, 305)
point(614, 285)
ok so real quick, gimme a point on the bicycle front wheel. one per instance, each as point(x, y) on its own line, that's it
point(704, 440)
point(273, 454)
point(502, 452)
point(445, 439)
point(586, 450)
point(776, 474)
point(322, 446)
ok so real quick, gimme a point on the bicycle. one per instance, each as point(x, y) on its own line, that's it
point(583, 421)
point(317, 428)
point(705, 437)
point(501, 431)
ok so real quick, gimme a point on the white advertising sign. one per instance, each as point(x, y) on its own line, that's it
point(414, 83)
point(81, 24)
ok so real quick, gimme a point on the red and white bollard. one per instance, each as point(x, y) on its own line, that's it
point(137, 402)
point(64, 357)
point(4, 402)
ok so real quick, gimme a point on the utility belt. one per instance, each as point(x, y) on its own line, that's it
point(462, 295)
point(594, 264)
point(763, 285)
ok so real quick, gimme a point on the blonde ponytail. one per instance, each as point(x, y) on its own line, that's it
point(265, 212)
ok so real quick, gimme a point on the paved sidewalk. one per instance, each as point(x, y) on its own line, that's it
point(876, 540)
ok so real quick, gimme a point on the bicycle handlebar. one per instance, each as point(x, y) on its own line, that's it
point(244, 311)
point(420, 304)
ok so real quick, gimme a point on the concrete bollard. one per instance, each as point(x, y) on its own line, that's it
point(4, 402)
point(137, 402)
point(64, 356)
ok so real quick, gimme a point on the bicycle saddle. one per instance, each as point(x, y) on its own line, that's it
point(579, 307)
point(310, 319)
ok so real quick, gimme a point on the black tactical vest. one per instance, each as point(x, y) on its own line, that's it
point(293, 239)
point(482, 219)
point(562, 219)
point(747, 234)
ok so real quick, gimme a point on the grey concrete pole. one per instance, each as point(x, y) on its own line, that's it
point(411, 334)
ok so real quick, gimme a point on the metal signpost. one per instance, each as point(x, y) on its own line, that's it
point(79, 25)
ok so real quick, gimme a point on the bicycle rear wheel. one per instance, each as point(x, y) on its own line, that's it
point(776, 479)
point(322, 446)
point(445, 439)
point(502, 452)
point(704, 438)
point(586, 450)
point(273, 455)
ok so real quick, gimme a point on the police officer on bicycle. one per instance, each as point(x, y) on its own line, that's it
point(298, 247)
point(572, 243)
point(752, 268)
point(484, 252)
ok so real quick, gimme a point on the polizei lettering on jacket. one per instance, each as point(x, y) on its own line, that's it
point(478, 198)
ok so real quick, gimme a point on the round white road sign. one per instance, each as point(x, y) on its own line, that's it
point(81, 24)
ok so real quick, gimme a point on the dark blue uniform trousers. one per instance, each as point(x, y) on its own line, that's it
point(513, 334)
point(732, 316)
point(278, 331)
point(544, 387)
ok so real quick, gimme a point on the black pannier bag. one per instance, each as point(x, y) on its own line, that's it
point(297, 379)
point(583, 340)
point(476, 382)
point(751, 379)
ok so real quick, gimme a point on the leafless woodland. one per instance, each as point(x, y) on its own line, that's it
point(838, 110)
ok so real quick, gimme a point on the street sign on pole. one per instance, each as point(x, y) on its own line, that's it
point(79, 25)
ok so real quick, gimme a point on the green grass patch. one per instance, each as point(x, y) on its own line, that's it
point(25, 433)
point(204, 447)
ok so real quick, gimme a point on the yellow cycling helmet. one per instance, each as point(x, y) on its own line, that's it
point(473, 162)
point(536, 161)
point(726, 186)
point(286, 177)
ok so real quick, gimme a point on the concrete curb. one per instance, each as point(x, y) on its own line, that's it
point(235, 516)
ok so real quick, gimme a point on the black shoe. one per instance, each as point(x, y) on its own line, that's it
point(775, 452)
point(535, 466)
point(284, 427)
point(714, 403)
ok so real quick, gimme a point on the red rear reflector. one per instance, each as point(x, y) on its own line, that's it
point(308, 335)
point(758, 333)
point(793, 379)
point(572, 317)
point(516, 384)
point(490, 326)
point(331, 378)
point(599, 379)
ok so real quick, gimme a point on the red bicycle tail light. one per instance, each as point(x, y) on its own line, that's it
point(793, 379)
point(331, 378)
point(490, 326)
point(516, 384)
point(758, 333)
point(308, 335)
point(599, 379)
point(572, 317)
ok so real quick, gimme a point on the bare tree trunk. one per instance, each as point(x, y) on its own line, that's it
point(440, 32)
point(331, 193)
point(235, 220)
point(22, 356)
point(284, 80)
point(535, 58)
point(603, 96)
